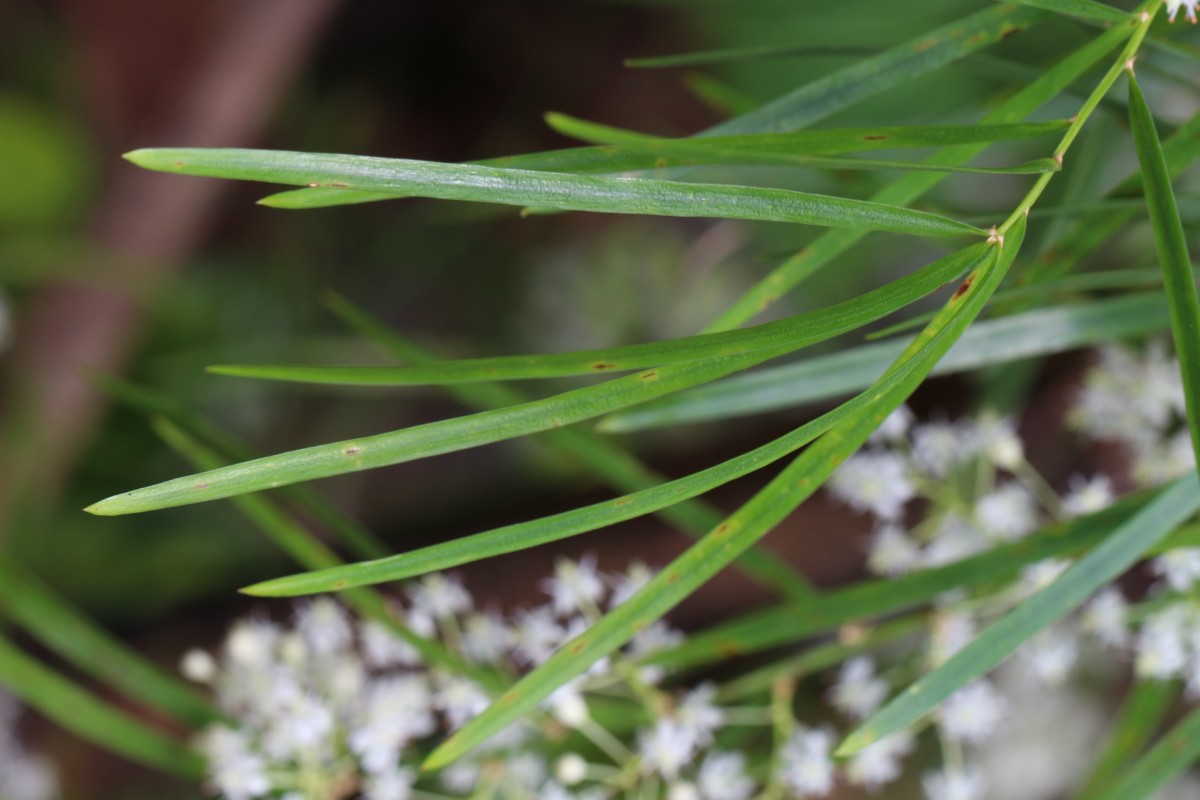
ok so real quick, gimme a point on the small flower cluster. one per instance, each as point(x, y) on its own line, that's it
point(977, 487)
point(23, 775)
point(333, 708)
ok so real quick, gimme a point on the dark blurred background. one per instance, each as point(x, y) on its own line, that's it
point(108, 270)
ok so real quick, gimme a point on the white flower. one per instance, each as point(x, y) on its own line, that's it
point(858, 692)
point(571, 769)
point(996, 437)
point(808, 769)
point(973, 713)
point(325, 625)
point(1180, 567)
point(394, 784)
point(894, 428)
point(629, 583)
point(666, 748)
point(233, 768)
point(568, 706)
point(486, 638)
point(198, 665)
point(699, 713)
point(524, 772)
point(940, 446)
point(722, 776)
point(458, 698)
point(952, 631)
point(1051, 655)
point(963, 785)
point(1087, 496)
point(1007, 512)
point(440, 596)
point(1161, 645)
point(251, 643)
point(1106, 617)
point(576, 586)
point(653, 638)
point(876, 483)
point(880, 763)
point(382, 649)
point(893, 552)
point(537, 634)
point(397, 710)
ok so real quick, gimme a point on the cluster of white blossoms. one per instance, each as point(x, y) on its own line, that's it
point(330, 707)
point(23, 775)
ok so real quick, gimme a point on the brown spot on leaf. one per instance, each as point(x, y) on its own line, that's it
point(961, 290)
point(603, 365)
point(649, 376)
point(200, 486)
point(875, 137)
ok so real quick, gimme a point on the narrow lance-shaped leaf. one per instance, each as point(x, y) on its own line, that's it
point(752, 521)
point(805, 148)
point(795, 332)
point(1087, 9)
point(49, 619)
point(1169, 758)
point(1044, 331)
point(426, 440)
point(894, 67)
point(1178, 280)
point(1095, 570)
point(83, 714)
point(614, 195)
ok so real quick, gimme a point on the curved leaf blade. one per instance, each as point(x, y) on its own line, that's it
point(570, 192)
point(795, 332)
point(1178, 280)
point(1044, 331)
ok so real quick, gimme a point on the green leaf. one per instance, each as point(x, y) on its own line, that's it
point(47, 617)
point(426, 440)
point(1170, 757)
point(81, 713)
point(1087, 9)
point(1034, 333)
point(614, 465)
point(1147, 703)
point(793, 333)
point(788, 623)
point(1169, 239)
point(831, 244)
point(520, 187)
point(892, 68)
point(1096, 569)
point(771, 148)
point(752, 521)
point(727, 55)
